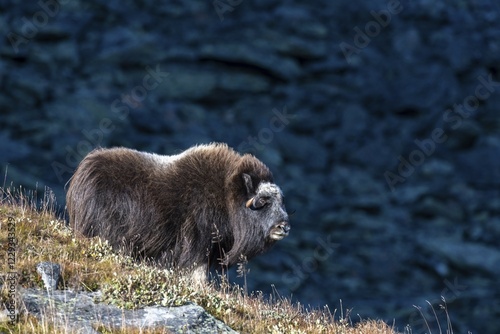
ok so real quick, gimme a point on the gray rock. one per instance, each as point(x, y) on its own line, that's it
point(27, 86)
point(409, 194)
point(355, 121)
point(136, 45)
point(282, 67)
point(298, 47)
point(51, 273)
point(304, 149)
point(465, 136)
point(81, 312)
point(242, 82)
point(464, 255)
point(411, 92)
point(480, 167)
point(437, 167)
point(186, 84)
point(304, 20)
point(11, 150)
point(434, 207)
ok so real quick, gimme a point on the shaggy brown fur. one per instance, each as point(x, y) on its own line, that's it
point(206, 206)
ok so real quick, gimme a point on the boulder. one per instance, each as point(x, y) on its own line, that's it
point(82, 312)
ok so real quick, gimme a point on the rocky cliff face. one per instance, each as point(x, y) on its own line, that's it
point(379, 119)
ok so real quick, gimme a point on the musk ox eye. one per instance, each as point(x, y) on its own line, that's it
point(261, 202)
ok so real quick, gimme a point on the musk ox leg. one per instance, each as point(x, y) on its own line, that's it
point(199, 276)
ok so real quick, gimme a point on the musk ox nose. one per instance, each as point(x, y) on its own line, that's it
point(280, 230)
point(285, 227)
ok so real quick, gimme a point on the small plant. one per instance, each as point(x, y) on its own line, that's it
point(145, 286)
point(443, 306)
point(242, 271)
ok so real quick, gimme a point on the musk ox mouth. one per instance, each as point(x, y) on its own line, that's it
point(279, 231)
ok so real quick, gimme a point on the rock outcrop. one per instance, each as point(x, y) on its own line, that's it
point(81, 312)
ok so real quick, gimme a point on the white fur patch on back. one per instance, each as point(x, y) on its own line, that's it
point(164, 159)
point(168, 159)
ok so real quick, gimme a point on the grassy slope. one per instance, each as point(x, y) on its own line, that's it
point(89, 264)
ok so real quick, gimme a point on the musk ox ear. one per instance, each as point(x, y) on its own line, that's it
point(248, 184)
point(254, 203)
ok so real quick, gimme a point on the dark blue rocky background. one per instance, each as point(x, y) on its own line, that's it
point(380, 120)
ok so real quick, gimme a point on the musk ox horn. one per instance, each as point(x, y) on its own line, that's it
point(256, 203)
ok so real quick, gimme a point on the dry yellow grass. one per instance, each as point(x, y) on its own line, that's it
point(89, 264)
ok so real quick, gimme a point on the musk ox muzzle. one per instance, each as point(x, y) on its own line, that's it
point(279, 231)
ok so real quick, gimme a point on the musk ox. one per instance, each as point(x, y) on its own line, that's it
point(206, 206)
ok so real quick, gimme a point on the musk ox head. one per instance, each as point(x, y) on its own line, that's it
point(258, 218)
point(266, 205)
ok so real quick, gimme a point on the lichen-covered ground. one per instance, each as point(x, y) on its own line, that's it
point(89, 266)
